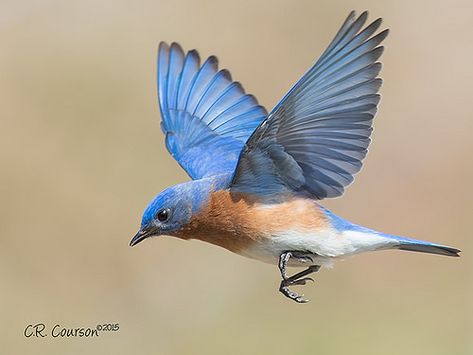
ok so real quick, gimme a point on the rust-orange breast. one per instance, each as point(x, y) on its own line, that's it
point(235, 221)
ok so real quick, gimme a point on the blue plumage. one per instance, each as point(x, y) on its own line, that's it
point(321, 129)
point(403, 243)
point(206, 116)
point(183, 200)
point(256, 176)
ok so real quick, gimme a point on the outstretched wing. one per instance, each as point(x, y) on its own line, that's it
point(206, 117)
point(315, 139)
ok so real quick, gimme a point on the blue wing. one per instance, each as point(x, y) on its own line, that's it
point(206, 117)
point(315, 139)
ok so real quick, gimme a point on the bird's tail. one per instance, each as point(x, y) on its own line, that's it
point(423, 247)
point(389, 241)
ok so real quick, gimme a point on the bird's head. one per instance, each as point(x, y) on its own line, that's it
point(169, 211)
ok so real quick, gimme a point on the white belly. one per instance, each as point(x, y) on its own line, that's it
point(324, 245)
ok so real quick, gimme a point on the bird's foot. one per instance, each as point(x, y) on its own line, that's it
point(299, 256)
point(284, 289)
point(297, 279)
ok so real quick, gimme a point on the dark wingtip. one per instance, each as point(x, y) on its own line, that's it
point(364, 16)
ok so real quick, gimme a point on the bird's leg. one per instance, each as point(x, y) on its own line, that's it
point(297, 279)
point(302, 257)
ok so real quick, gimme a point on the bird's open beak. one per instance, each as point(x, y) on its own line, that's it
point(142, 234)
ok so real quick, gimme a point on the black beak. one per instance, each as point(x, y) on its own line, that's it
point(142, 234)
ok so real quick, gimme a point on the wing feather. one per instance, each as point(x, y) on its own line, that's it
point(315, 139)
point(206, 117)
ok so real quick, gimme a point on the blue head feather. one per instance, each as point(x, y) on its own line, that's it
point(183, 201)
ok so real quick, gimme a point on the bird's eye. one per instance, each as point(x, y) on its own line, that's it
point(163, 215)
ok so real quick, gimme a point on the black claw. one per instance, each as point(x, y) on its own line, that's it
point(301, 300)
point(307, 259)
point(302, 281)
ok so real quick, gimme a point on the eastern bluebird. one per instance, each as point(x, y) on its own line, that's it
point(257, 177)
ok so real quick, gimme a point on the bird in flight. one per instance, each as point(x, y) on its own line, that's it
point(257, 177)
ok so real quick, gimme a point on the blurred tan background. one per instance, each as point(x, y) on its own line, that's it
point(82, 154)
